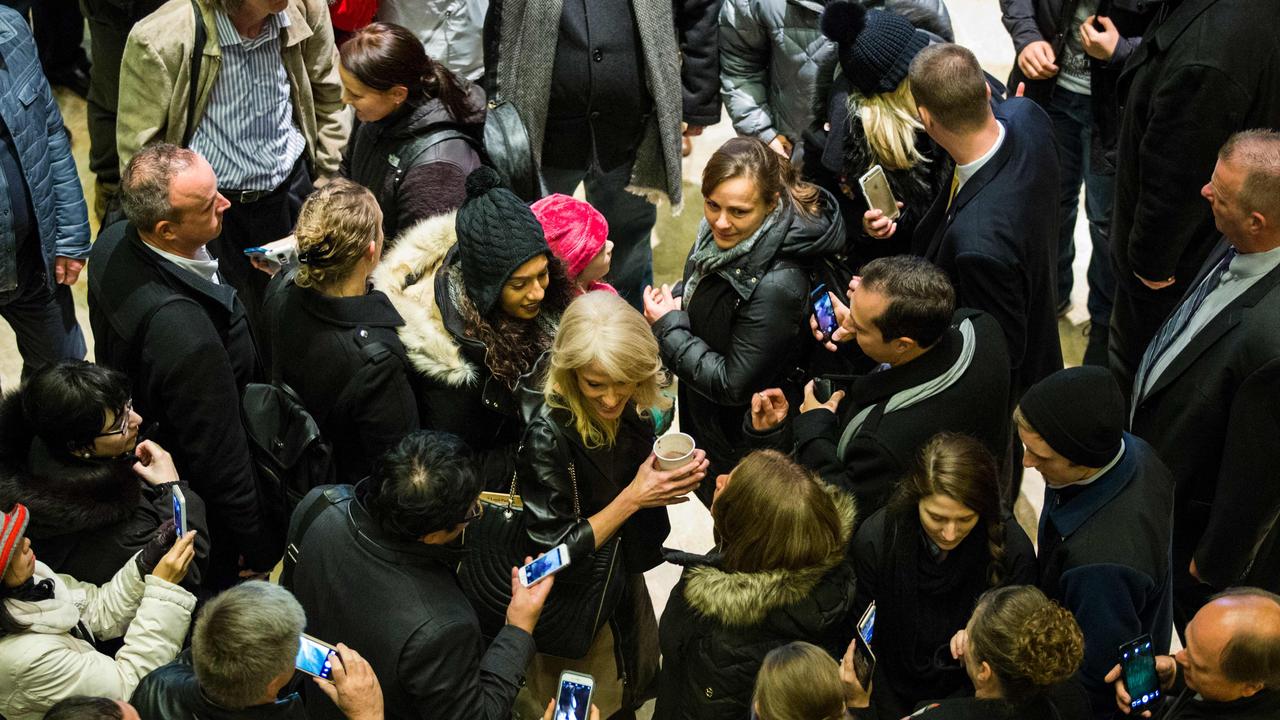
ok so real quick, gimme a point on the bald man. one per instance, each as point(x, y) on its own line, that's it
point(1230, 667)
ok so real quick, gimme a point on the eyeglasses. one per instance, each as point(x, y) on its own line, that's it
point(474, 513)
point(122, 421)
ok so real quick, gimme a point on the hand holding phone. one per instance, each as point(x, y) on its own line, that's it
point(315, 657)
point(824, 312)
point(573, 701)
point(179, 510)
point(1138, 671)
point(876, 191)
point(273, 256)
point(549, 563)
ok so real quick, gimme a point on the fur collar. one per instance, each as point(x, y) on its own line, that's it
point(744, 599)
point(64, 495)
point(407, 275)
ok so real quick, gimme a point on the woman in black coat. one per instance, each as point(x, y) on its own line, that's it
point(587, 475)
point(69, 451)
point(741, 321)
point(420, 127)
point(332, 338)
point(779, 574)
point(481, 296)
point(1019, 650)
point(925, 559)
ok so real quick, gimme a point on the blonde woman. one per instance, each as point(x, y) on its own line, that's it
point(873, 121)
point(334, 338)
point(603, 379)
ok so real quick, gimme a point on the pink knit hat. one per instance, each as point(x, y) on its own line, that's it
point(575, 231)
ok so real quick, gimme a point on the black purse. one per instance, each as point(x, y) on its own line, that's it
point(585, 594)
point(507, 145)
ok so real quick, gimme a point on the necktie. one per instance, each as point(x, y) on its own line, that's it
point(1177, 322)
point(955, 187)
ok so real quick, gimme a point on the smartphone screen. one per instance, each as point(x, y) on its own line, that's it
point(315, 658)
point(574, 701)
point(179, 511)
point(1138, 663)
point(823, 310)
point(876, 191)
point(864, 661)
point(545, 565)
point(867, 625)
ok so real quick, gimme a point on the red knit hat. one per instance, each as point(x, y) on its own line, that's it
point(575, 231)
point(12, 528)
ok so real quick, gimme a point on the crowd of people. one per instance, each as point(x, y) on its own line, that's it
point(355, 367)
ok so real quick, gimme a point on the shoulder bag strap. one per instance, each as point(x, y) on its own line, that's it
point(197, 55)
point(305, 518)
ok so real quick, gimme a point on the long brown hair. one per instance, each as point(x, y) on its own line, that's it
point(961, 468)
point(775, 515)
point(383, 55)
point(799, 681)
point(772, 174)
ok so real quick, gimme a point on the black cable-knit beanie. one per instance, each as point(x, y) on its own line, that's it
point(497, 233)
point(876, 47)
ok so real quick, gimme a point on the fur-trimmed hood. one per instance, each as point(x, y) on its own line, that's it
point(745, 599)
point(407, 275)
point(64, 495)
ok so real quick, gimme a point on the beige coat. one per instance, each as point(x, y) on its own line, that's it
point(155, 80)
point(45, 663)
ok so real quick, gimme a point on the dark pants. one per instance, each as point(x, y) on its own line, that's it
point(43, 319)
point(250, 224)
point(109, 26)
point(630, 217)
point(1072, 117)
point(58, 29)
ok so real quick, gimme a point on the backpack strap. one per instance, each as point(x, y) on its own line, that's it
point(303, 518)
point(403, 161)
point(197, 55)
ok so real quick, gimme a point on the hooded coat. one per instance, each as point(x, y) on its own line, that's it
point(719, 625)
point(47, 662)
point(88, 516)
point(744, 329)
point(431, 183)
point(457, 392)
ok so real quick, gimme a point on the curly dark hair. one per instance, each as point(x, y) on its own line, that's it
point(425, 483)
point(513, 346)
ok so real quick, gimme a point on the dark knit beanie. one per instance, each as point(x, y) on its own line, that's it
point(1079, 412)
point(875, 47)
point(497, 233)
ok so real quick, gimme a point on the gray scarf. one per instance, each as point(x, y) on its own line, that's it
point(707, 257)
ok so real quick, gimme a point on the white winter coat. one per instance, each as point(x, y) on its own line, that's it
point(46, 663)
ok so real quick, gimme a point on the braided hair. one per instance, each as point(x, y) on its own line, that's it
point(1030, 642)
point(334, 229)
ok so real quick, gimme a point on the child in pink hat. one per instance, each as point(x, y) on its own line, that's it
point(579, 235)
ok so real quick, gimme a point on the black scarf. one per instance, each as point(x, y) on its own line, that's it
point(32, 591)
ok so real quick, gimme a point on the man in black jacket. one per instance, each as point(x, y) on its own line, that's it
point(939, 370)
point(1208, 387)
point(1205, 69)
point(1106, 525)
point(993, 232)
point(1230, 667)
point(162, 315)
point(381, 567)
point(1069, 54)
point(606, 89)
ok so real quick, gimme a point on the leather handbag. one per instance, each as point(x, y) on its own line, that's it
point(585, 594)
point(507, 145)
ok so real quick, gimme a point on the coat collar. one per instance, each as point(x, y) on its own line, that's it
point(372, 309)
point(1161, 36)
point(1069, 514)
point(877, 386)
point(297, 30)
point(373, 540)
point(178, 278)
point(1211, 333)
point(55, 616)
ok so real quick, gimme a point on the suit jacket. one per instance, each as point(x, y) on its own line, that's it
point(998, 241)
point(1211, 68)
point(1213, 415)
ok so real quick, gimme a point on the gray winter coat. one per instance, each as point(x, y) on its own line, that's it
point(770, 51)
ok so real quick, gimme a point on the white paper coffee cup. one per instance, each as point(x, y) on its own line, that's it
point(674, 450)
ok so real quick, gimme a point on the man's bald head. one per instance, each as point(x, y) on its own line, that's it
point(1233, 645)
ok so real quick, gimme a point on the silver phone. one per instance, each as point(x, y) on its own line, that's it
point(875, 188)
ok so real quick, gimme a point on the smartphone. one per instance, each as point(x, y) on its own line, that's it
point(1138, 668)
point(824, 311)
point(549, 564)
point(822, 389)
point(864, 660)
point(875, 188)
point(316, 657)
point(867, 624)
point(179, 511)
point(281, 252)
point(573, 702)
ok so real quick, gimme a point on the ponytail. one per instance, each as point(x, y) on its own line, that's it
point(440, 82)
point(772, 174)
point(384, 55)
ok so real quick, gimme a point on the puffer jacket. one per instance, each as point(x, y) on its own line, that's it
point(88, 516)
point(31, 116)
point(770, 52)
point(48, 662)
point(745, 329)
point(456, 391)
point(719, 625)
point(431, 183)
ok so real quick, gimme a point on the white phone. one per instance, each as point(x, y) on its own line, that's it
point(280, 253)
point(550, 563)
point(179, 511)
point(573, 702)
point(315, 657)
point(875, 188)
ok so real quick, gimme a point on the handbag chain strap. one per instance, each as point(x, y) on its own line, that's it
point(573, 478)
